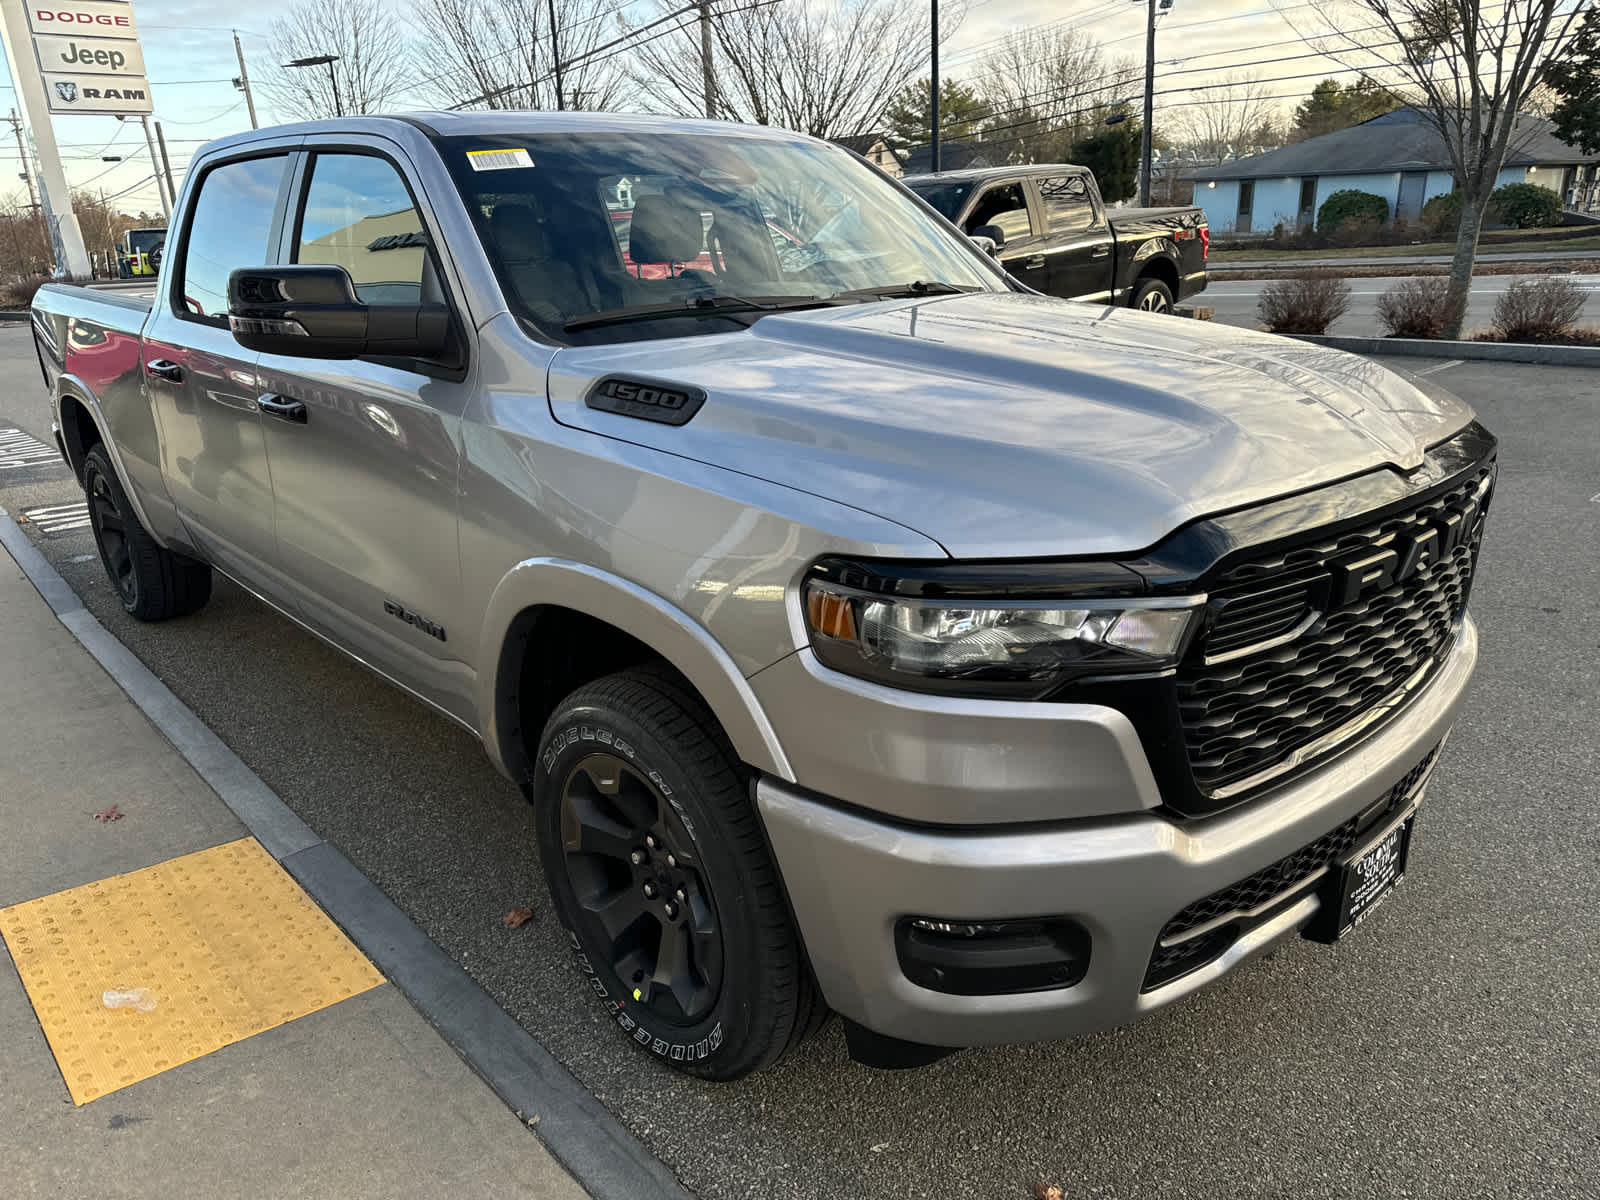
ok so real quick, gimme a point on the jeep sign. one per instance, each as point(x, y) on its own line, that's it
point(89, 56)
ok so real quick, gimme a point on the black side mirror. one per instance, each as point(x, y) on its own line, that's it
point(314, 312)
point(993, 232)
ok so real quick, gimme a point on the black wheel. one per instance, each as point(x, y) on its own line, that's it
point(1152, 296)
point(659, 871)
point(152, 583)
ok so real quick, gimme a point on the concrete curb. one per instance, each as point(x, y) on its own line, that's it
point(594, 1147)
point(16, 316)
point(1517, 352)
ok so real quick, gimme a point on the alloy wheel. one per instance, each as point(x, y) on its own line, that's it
point(644, 903)
point(111, 536)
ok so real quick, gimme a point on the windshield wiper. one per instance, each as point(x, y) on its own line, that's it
point(694, 306)
point(891, 291)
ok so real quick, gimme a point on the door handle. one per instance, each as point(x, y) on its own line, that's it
point(164, 368)
point(1101, 251)
point(1033, 263)
point(282, 407)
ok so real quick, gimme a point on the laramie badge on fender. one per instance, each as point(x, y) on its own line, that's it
point(411, 618)
point(666, 404)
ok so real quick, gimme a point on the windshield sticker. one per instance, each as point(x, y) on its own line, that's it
point(499, 160)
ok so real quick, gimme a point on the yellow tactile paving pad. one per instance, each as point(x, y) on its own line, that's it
point(194, 954)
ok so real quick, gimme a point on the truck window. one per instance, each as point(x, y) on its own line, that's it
point(1005, 206)
point(230, 227)
point(1067, 206)
point(359, 216)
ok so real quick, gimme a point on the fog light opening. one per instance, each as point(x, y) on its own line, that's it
point(992, 958)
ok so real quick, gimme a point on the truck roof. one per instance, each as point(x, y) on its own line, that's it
point(973, 173)
point(505, 122)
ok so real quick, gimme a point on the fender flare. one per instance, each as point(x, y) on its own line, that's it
point(642, 614)
point(70, 387)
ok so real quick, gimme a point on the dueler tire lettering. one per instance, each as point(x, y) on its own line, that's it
point(654, 731)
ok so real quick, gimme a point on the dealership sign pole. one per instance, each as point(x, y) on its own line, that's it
point(76, 57)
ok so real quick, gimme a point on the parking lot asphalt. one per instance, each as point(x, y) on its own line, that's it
point(1451, 1048)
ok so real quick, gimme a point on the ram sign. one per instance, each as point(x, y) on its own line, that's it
point(89, 57)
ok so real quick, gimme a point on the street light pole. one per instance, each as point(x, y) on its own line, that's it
point(318, 60)
point(1149, 103)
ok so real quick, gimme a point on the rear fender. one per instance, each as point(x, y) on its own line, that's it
point(640, 613)
point(70, 390)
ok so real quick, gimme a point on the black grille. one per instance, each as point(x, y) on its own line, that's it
point(1253, 710)
point(1279, 881)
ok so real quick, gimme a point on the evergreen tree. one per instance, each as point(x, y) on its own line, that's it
point(961, 111)
point(1575, 78)
point(1331, 107)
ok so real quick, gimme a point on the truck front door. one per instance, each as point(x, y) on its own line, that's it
point(1005, 206)
point(202, 383)
point(365, 452)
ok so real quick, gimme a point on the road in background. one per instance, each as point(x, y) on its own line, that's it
point(1235, 301)
point(1450, 1048)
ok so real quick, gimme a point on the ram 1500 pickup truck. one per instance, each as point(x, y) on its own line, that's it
point(868, 633)
point(1050, 229)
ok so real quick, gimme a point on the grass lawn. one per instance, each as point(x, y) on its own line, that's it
point(1531, 241)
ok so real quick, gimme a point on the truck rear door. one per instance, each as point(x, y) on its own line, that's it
point(202, 383)
point(1079, 243)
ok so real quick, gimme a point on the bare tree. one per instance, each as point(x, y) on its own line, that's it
point(829, 70)
point(1049, 89)
point(373, 68)
point(499, 53)
point(1234, 118)
point(1472, 68)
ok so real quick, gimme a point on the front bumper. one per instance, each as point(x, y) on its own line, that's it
point(851, 876)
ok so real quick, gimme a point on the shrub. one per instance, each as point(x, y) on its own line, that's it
point(1362, 230)
point(19, 293)
point(1304, 303)
point(1538, 310)
point(1525, 206)
point(1343, 205)
point(1417, 308)
point(1442, 214)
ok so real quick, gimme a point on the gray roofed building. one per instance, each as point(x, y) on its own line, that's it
point(1399, 156)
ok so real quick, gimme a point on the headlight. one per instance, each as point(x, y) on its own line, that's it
point(933, 628)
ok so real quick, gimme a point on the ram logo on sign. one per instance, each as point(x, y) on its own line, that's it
point(97, 94)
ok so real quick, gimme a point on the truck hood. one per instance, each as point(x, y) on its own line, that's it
point(1006, 425)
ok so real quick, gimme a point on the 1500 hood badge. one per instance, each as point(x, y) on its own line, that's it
point(646, 400)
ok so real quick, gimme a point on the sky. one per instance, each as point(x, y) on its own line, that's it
point(188, 48)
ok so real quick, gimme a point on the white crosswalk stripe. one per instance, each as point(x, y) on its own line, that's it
point(54, 519)
point(18, 449)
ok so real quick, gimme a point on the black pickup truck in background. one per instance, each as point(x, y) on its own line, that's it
point(1052, 231)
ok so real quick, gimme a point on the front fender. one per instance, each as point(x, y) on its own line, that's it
point(634, 610)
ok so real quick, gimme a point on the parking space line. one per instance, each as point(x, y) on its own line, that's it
point(1444, 366)
point(54, 520)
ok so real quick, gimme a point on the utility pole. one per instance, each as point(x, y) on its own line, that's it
point(243, 82)
point(1149, 101)
point(555, 58)
point(27, 177)
point(708, 80)
point(933, 89)
point(166, 164)
point(155, 166)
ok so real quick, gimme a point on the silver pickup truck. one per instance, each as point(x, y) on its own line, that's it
point(869, 633)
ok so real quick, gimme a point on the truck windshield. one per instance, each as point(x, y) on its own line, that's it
point(609, 235)
point(945, 196)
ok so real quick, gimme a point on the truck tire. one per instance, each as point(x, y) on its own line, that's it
point(659, 872)
point(153, 584)
point(1152, 295)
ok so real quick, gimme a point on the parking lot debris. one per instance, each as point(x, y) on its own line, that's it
point(106, 815)
point(1047, 1191)
point(517, 918)
point(142, 999)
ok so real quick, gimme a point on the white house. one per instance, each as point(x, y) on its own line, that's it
point(1398, 156)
